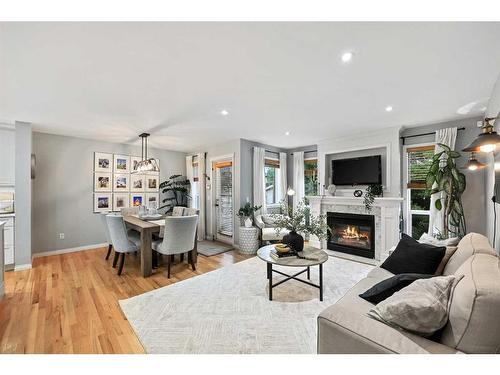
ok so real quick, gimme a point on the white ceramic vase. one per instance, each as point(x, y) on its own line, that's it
point(248, 222)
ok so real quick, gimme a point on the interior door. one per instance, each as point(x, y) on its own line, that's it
point(224, 201)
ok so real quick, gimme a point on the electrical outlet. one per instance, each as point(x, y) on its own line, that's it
point(61, 236)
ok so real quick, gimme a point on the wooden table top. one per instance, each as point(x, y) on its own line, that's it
point(264, 254)
point(139, 223)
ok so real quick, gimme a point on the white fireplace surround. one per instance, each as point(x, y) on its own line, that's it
point(385, 209)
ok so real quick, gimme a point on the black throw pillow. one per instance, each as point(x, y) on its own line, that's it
point(411, 256)
point(388, 287)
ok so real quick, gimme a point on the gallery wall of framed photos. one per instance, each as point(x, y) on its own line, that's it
point(116, 187)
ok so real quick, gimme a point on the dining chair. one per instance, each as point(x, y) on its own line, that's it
point(179, 238)
point(178, 211)
point(128, 211)
point(122, 241)
point(106, 232)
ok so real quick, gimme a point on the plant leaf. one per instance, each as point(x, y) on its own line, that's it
point(438, 204)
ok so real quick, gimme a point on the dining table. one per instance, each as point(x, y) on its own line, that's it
point(146, 230)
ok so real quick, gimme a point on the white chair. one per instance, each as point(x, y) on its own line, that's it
point(129, 211)
point(122, 241)
point(267, 228)
point(179, 238)
point(178, 211)
point(106, 232)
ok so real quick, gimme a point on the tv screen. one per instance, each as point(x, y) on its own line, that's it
point(357, 171)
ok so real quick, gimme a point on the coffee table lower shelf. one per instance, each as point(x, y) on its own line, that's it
point(270, 271)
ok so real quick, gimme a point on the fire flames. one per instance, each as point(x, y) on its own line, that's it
point(351, 232)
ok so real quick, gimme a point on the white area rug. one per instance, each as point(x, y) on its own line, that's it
point(228, 310)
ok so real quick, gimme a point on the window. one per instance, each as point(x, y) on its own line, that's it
point(310, 177)
point(418, 161)
point(272, 175)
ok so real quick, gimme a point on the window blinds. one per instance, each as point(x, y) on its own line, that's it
point(419, 162)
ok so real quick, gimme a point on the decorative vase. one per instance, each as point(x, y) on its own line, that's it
point(294, 240)
point(248, 222)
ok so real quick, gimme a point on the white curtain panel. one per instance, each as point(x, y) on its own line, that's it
point(447, 137)
point(201, 193)
point(298, 177)
point(259, 180)
point(189, 176)
point(283, 176)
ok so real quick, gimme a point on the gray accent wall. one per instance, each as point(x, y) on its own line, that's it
point(474, 200)
point(63, 188)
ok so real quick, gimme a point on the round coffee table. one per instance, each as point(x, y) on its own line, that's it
point(264, 253)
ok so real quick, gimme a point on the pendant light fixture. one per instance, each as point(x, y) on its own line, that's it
point(146, 165)
point(487, 141)
point(473, 164)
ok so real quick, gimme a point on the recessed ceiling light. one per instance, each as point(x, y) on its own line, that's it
point(347, 56)
point(287, 133)
point(388, 108)
point(224, 112)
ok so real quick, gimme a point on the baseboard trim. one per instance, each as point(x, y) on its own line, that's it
point(69, 250)
point(22, 267)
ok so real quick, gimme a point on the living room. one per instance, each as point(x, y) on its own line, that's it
point(249, 188)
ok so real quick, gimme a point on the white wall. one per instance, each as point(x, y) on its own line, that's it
point(7, 152)
point(387, 139)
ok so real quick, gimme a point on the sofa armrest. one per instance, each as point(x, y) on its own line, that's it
point(259, 222)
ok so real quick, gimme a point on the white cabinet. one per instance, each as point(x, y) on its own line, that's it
point(8, 243)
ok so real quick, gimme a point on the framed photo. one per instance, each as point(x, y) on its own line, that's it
point(152, 200)
point(102, 202)
point(103, 162)
point(102, 181)
point(120, 201)
point(121, 182)
point(137, 183)
point(121, 163)
point(137, 199)
point(134, 160)
point(152, 183)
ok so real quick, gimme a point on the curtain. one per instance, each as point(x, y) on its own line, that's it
point(259, 180)
point(447, 137)
point(298, 177)
point(283, 177)
point(201, 193)
point(189, 176)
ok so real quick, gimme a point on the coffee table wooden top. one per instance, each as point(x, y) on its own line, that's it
point(264, 253)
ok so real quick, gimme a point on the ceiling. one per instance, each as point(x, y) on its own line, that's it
point(112, 81)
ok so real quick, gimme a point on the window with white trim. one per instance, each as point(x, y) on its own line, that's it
point(272, 176)
point(311, 177)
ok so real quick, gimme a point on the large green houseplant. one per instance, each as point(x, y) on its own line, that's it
point(299, 221)
point(176, 190)
point(445, 178)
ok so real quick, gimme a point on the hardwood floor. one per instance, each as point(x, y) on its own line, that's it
point(69, 303)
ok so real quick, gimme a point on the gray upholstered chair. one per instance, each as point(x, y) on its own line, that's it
point(122, 241)
point(128, 211)
point(178, 211)
point(179, 238)
point(106, 232)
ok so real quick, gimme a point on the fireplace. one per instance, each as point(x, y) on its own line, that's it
point(352, 233)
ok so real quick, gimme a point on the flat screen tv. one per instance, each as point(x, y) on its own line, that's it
point(357, 171)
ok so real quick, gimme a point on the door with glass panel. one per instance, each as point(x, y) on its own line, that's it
point(223, 174)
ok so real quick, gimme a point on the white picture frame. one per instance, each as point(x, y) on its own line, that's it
point(152, 197)
point(121, 182)
point(103, 162)
point(121, 163)
point(137, 183)
point(121, 200)
point(103, 182)
point(137, 199)
point(134, 160)
point(152, 183)
point(103, 202)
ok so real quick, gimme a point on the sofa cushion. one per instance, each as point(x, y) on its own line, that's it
point(474, 323)
point(450, 250)
point(421, 307)
point(410, 256)
point(471, 244)
point(269, 234)
point(386, 288)
point(345, 327)
point(379, 274)
point(427, 238)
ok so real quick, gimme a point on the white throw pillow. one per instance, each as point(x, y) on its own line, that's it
point(270, 220)
point(428, 239)
point(421, 308)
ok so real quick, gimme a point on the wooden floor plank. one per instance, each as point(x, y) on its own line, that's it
point(68, 303)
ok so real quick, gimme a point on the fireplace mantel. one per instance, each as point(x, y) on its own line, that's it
point(386, 211)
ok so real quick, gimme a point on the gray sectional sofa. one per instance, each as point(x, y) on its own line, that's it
point(474, 320)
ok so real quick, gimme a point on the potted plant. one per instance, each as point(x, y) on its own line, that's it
point(372, 191)
point(445, 178)
point(176, 189)
point(299, 222)
point(246, 212)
